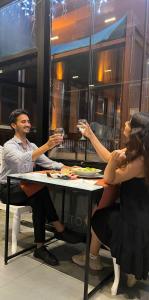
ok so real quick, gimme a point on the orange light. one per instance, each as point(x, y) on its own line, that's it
point(59, 70)
point(100, 68)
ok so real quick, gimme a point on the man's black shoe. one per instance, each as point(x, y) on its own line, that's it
point(68, 236)
point(43, 254)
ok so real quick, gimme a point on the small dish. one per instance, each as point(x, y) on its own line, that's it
point(87, 172)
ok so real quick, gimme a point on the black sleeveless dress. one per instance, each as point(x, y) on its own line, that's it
point(125, 228)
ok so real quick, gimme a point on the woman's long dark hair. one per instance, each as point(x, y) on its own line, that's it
point(138, 144)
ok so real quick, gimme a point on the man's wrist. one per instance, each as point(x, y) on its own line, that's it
point(47, 146)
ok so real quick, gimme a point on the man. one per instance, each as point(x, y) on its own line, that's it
point(20, 156)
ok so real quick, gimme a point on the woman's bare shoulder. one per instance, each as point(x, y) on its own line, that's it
point(138, 165)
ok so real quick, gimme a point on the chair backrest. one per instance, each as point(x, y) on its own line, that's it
point(1, 152)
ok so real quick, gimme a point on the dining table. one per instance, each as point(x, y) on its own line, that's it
point(89, 189)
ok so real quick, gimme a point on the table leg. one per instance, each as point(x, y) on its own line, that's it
point(7, 222)
point(109, 276)
point(85, 297)
point(63, 206)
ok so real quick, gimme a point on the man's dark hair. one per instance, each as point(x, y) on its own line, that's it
point(15, 114)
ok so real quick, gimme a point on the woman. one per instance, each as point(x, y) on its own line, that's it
point(138, 122)
point(126, 230)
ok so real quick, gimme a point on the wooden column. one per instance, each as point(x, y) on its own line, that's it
point(128, 72)
point(144, 94)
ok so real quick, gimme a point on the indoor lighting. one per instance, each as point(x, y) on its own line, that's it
point(54, 38)
point(110, 20)
point(107, 71)
point(28, 6)
point(101, 2)
point(91, 85)
point(58, 2)
point(75, 77)
point(1, 71)
point(25, 6)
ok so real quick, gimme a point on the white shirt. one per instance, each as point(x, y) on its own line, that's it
point(18, 159)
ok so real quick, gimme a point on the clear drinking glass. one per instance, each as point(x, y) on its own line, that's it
point(61, 132)
point(80, 127)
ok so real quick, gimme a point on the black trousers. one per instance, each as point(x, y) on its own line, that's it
point(42, 207)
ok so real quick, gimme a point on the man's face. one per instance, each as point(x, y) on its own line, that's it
point(22, 125)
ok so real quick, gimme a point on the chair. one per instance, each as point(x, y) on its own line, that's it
point(115, 285)
point(131, 280)
point(16, 211)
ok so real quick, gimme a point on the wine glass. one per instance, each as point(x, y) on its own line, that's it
point(60, 131)
point(81, 128)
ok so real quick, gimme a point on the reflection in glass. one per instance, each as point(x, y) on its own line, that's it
point(95, 46)
point(17, 27)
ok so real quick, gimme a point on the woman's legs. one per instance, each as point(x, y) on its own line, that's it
point(98, 225)
point(94, 261)
point(95, 244)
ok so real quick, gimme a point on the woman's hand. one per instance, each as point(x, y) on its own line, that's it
point(54, 140)
point(117, 157)
point(115, 161)
point(86, 130)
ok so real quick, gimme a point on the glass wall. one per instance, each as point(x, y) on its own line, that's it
point(17, 89)
point(99, 59)
point(99, 68)
point(17, 27)
point(18, 64)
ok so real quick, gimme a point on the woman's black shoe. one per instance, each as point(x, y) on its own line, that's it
point(47, 257)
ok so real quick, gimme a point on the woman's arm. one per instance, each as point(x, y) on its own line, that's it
point(115, 175)
point(100, 149)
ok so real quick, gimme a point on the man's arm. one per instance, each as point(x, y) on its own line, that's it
point(47, 163)
point(54, 140)
point(14, 156)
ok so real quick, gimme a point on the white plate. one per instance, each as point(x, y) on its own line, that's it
point(91, 176)
point(87, 173)
point(55, 175)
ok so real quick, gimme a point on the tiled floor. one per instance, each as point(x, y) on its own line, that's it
point(25, 278)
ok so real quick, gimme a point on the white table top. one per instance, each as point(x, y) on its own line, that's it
point(79, 183)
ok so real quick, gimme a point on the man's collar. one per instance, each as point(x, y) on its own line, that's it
point(19, 141)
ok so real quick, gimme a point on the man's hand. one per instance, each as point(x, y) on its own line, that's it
point(54, 140)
